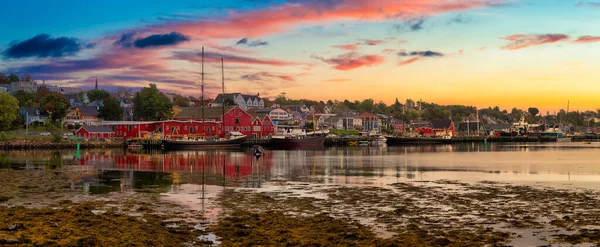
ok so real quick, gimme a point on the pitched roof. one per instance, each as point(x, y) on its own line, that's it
point(33, 111)
point(196, 112)
point(367, 114)
point(71, 90)
point(98, 129)
point(252, 97)
point(471, 127)
point(259, 115)
point(88, 110)
point(441, 124)
point(297, 108)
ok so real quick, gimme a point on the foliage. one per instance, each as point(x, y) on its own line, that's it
point(344, 132)
point(4, 136)
point(55, 105)
point(25, 98)
point(57, 138)
point(97, 94)
point(13, 78)
point(533, 111)
point(111, 109)
point(3, 79)
point(180, 101)
point(149, 104)
point(41, 92)
point(9, 107)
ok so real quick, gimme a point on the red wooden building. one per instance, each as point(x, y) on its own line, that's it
point(92, 132)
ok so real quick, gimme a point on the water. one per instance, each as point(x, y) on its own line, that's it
point(104, 171)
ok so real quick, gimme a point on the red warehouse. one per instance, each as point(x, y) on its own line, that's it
point(91, 132)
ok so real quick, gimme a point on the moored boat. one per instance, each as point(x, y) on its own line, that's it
point(178, 144)
point(380, 140)
point(298, 141)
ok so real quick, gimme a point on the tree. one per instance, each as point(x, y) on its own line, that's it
point(180, 101)
point(149, 104)
point(367, 105)
point(13, 78)
point(9, 107)
point(27, 78)
point(516, 114)
point(55, 105)
point(111, 109)
point(25, 98)
point(3, 79)
point(533, 111)
point(41, 92)
point(96, 94)
point(281, 99)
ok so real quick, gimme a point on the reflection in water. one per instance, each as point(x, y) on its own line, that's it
point(104, 171)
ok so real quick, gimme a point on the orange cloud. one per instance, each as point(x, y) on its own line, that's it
point(350, 47)
point(263, 76)
point(587, 39)
point(520, 41)
point(353, 60)
point(284, 16)
point(409, 61)
point(338, 80)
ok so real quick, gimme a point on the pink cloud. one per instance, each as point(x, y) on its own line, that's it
point(520, 41)
point(409, 61)
point(482, 48)
point(373, 42)
point(349, 47)
point(353, 60)
point(587, 39)
point(263, 76)
point(285, 16)
point(212, 57)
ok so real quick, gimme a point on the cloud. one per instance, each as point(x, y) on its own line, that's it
point(410, 25)
point(588, 4)
point(286, 16)
point(421, 54)
point(126, 39)
point(353, 60)
point(349, 47)
point(195, 57)
point(263, 76)
point(388, 51)
point(42, 46)
point(373, 42)
point(409, 61)
point(158, 40)
point(459, 19)
point(520, 41)
point(254, 43)
point(587, 39)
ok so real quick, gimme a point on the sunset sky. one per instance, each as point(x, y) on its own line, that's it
point(508, 53)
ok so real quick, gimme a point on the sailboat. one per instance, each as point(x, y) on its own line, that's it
point(300, 141)
point(234, 140)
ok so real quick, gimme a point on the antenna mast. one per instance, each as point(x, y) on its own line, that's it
point(202, 90)
point(223, 95)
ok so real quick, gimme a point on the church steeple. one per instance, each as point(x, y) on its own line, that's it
point(96, 83)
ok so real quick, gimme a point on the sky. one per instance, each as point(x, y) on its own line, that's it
point(507, 53)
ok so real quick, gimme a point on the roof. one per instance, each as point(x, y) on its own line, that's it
point(95, 103)
point(88, 110)
point(310, 117)
point(72, 97)
point(441, 124)
point(71, 90)
point(32, 111)
point(472, 126)
point(252, 97)
point(297, 108)
point(196, 112)
point(421, 125)
point(367, 114)
point(97, 129)
point(260, 115)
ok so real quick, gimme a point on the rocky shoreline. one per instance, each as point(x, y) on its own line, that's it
point(49, 144)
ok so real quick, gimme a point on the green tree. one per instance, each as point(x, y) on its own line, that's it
point(281, 99)
point(111, 109)
point(41, 92)
point(149, 104)
point(3, 79)
point(55, 105)
point(9, 107)
point(180, 101)
point(533, 111)
point(13, 78)
point(25, 98)
point(97, 94)
point(516, 114)
point(367, 105)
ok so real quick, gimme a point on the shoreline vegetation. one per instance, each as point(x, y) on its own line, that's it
point(40, 207)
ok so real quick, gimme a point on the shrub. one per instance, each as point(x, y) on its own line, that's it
point(57, 138)
point(3, 136)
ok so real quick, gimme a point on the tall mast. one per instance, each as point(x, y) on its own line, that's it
point(202, 91)
point(223, 94)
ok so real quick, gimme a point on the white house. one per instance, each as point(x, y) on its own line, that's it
point(244, 101)
point(32, 115)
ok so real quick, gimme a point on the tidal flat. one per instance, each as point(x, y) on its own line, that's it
point(47, 208)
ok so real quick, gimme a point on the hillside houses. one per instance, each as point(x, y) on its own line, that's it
point(244, 101)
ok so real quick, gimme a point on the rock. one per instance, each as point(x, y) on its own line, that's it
point(566, 218)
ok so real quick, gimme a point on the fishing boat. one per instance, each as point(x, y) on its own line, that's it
point(234, 139)
point(298, 141)
point(401, 140)
point(379, 140)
